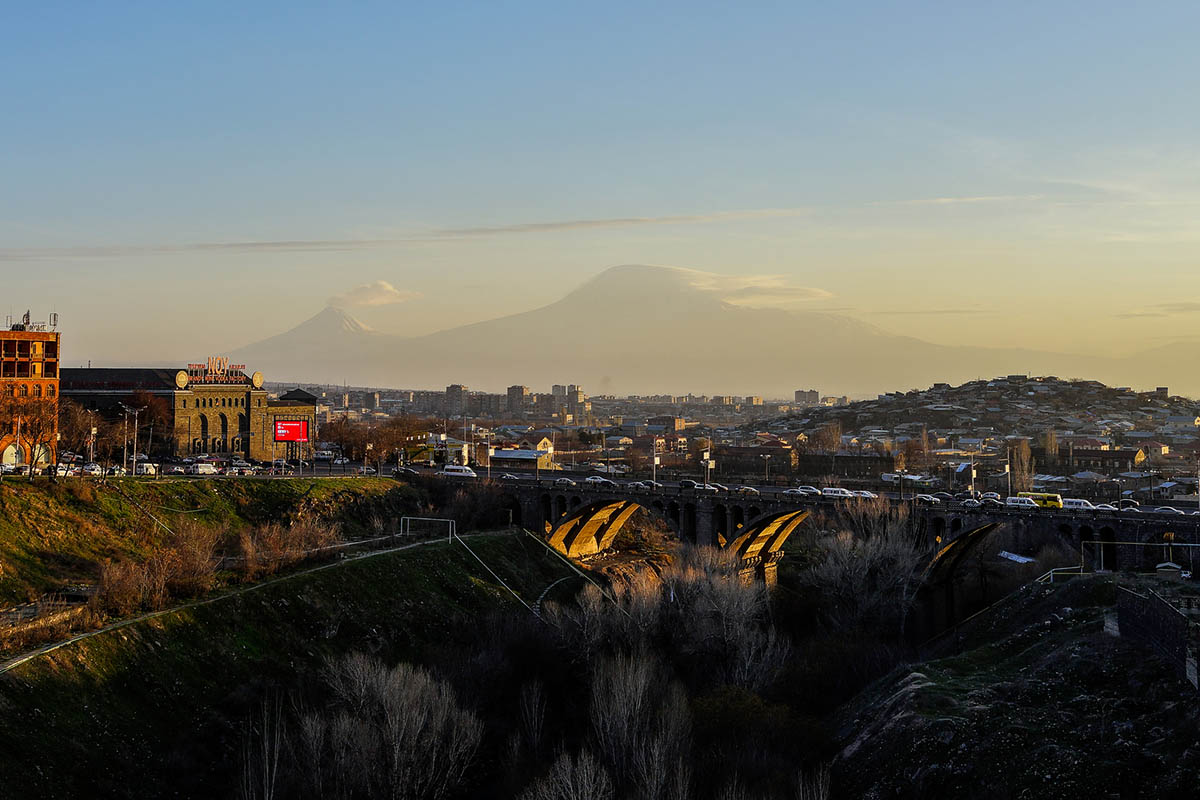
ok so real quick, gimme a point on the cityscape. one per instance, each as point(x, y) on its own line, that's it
point(600, 402)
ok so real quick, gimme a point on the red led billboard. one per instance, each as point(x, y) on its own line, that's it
point(291, 430)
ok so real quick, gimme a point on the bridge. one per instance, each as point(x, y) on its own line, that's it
point(584, 519)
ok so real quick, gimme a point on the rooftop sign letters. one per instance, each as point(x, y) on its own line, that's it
point(216, 370)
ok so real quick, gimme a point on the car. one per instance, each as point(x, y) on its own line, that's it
point(508, 476)
point(972, 503)
point(1129, 510)
point(240, 464)
point(865, 495)
point(116, 470)
point(836, 492)
point(797, 492)
point(651, 485)
point(811, 490)
point(176, 470)
point(708, 488)
point(1125, 502)
point(1022, 503)
point(365, 470)
point(927, 500)
point(945, 497)
point(968, 495)
point(597, 480)
point(400, 471)
point(688, 483)
point(1077, 504)
point(720, 487)
point(141, 457)
point(748, 490)
point(564, 482)
point(991, 496)
point(340, 460)
point(991, 503)
point(1167, 510)
point(93, 469)
point(1105, 507)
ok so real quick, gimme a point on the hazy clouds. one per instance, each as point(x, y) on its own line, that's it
point(378, 293)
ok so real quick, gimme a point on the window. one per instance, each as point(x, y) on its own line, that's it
point(24, 390)
point(51, 391)
point(37, 390)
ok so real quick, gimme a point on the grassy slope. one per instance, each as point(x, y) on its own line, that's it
point(144, 711)
point(53, 533)
point(1038, 703)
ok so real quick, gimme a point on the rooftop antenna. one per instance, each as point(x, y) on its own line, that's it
point(53, 320)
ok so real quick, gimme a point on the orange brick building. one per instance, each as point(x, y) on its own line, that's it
point(29, 354)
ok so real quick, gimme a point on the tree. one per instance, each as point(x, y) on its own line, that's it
point(1050, 445)
point(1020, 466)
point(33, 421)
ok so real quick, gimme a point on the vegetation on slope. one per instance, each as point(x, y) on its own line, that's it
point(158, 707)
point(54, 533)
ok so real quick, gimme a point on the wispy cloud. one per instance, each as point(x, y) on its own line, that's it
point(342, 245)
point(754, 291)
point(970, 200)
point(974, 312)
point(379, 293)
point(1162, 310)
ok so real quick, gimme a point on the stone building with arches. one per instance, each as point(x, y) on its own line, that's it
point(214, 408)
point(29, 388)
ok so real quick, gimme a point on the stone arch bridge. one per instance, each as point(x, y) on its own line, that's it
point(584, 519)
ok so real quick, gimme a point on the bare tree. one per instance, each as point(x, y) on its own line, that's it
point(580, 778)
point(1021, 466)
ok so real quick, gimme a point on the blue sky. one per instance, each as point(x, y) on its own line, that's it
point(896, 155)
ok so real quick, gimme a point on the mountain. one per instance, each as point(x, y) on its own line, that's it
point(647, 329)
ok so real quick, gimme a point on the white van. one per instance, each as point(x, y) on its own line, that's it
point(1020, 502)
point(145, 469)
point(836, 491)
point(1076, 504)
point(202, 468)
point(457, 471)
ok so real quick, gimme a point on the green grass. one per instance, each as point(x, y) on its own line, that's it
point(53, 533)
point(154, 708)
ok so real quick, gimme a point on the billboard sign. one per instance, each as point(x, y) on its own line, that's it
point(291, 430)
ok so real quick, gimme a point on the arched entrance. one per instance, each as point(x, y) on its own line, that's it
point(12, 455)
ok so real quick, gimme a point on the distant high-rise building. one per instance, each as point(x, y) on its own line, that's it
point(808, 397)
point(518, 399)
point(753, 400)
point(559, 391)
point(457, 397)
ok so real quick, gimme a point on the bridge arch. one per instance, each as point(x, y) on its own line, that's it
point(592, 527)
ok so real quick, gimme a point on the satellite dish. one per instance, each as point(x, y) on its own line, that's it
point(181, 379)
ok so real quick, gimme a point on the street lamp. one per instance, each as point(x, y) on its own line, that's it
point(766, 457)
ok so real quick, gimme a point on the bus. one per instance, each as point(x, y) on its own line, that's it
point(1044, 499)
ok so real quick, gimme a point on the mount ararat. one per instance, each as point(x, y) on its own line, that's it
point(639, 329)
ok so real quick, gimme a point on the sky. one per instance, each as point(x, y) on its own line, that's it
point(1017, 174)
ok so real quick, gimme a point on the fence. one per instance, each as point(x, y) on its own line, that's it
point(1153, 621)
